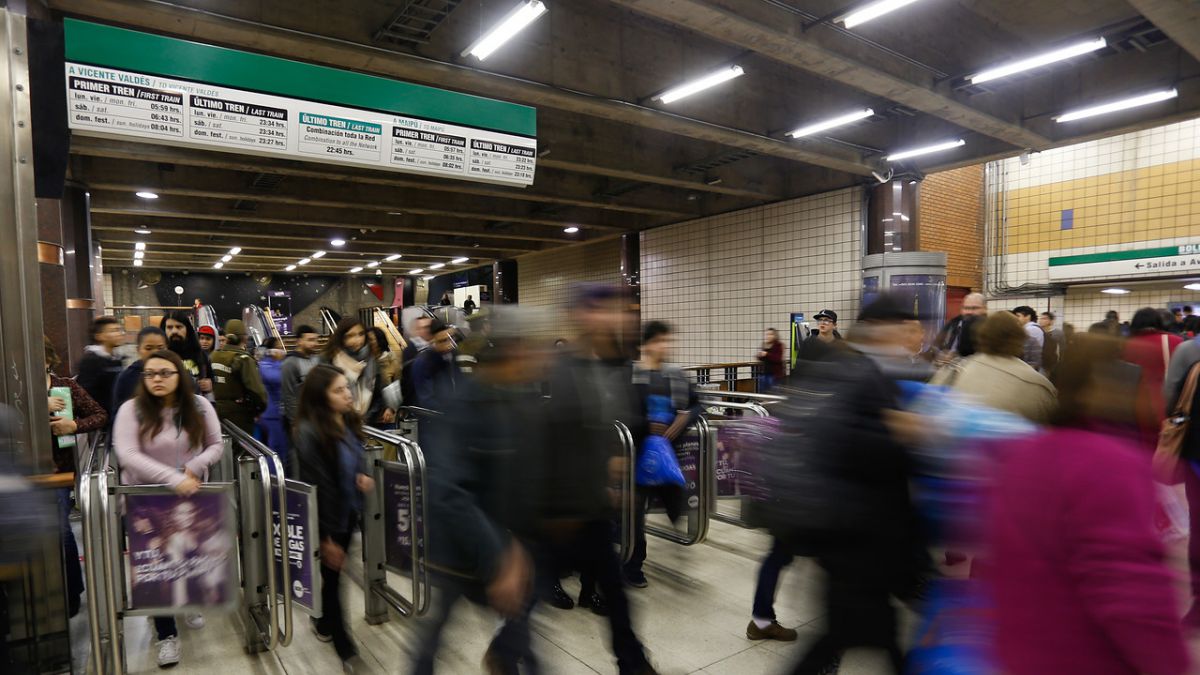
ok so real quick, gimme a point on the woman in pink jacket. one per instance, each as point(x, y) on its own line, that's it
point(167, 435)
point(1080, 585)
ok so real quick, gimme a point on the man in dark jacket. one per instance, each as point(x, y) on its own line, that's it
point(590, 389)
point(483, 458)
point(181, 339)
point(237, 387)
point(98, 370)
point(955, 340)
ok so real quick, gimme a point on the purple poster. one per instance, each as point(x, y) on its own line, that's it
point(301, 546)
point(181, 550)
point(726, 464)
point(398, 517)
point(687, 449)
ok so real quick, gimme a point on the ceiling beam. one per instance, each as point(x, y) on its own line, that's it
point(103, 224)
point(270, 198)
point(205, 211)
point(803, 52)
point(666, 181)
point(1179, 19)
point(96, 147)
point(260, 37)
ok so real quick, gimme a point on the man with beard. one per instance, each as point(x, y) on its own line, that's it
point(181, 339)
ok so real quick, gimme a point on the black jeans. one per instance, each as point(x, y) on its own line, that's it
point(510, 645)
point(781, 556)
point(590, 550)
point(164, 627)
point(70, 548)
point(333, 621)
point(861, 580)
point(671, 497)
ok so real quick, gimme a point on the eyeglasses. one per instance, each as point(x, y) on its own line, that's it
point(823, 320)
point(159, 374)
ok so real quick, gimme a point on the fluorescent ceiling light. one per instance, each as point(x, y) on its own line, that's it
point(428, 277)
point(437, 266)
point(459, 261)
point(416, 271)
point(390, 258)
point(355, 270)
point(514, 22)
point(872, 11)
point(218, 265)
point(1039, 60)
point(700, 84)
point(140, 246)
point(146, 195)
point(138, 255)
point(378, 272)
point(1116, 291)
point(235, 250)
point(905, 154)
point(373, 264)
point(571, 230)
point(1193, 287)
point(141, 230)
point(304, 261)
point(137, 263)
point(226, 258)
point(832, 122)
point(318, 254)
point(337, 242)
point(289, 268)
point(1123, 104)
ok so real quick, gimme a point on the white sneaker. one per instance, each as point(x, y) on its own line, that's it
point(168, 652)
point(194, 620)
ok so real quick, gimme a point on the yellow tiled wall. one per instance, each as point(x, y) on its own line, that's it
point(1128, 206)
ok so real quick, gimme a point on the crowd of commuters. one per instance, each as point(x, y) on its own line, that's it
point(525, 466)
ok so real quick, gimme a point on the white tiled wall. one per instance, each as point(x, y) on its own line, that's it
point(544, 280)
point(720, 281)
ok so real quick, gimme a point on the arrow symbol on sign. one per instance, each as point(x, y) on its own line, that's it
point(1138, 266)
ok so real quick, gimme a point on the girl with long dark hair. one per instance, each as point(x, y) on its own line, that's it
point(167, 435)
point(329, 453)
point(349, 351)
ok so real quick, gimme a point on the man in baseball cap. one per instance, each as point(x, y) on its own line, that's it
point(823, 344)
point(208, 339)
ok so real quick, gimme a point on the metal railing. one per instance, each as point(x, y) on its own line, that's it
point(628, 511)
point(761, 399)
point(329, 320)
point(380, 595)
point(755, 408)
point(94, 456)
point(256, 563)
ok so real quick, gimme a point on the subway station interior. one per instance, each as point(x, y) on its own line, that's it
point(594, 336)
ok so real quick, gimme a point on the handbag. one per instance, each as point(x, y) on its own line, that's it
point(1167, 465)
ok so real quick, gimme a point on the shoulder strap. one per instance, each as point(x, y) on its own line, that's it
point(1166, 353)
point(1184, 405)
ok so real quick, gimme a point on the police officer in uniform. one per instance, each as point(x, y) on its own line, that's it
point(237, 384)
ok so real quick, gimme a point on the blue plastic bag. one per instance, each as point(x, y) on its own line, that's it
point(657, 464)
point(956, 632)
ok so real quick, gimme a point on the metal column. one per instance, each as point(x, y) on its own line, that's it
point(21, 382)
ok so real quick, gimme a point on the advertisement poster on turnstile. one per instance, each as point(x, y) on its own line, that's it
point(399, 520)
point(726, 465)
point(687, 450)
point(303, 545)
point(182, 550)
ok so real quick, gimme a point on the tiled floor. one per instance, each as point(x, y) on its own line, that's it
point(692, 619)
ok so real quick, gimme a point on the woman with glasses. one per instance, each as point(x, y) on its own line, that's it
point(167, 435)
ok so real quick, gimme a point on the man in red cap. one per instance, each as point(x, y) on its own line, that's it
point(208, 339)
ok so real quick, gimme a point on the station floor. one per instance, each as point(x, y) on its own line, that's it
point(692, 618)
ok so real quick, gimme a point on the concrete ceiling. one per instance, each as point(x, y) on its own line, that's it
point(615, 160)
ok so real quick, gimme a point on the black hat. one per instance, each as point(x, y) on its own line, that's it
point(886, 308)
point(826, 314)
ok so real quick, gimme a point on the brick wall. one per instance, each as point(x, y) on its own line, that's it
point(952, 221)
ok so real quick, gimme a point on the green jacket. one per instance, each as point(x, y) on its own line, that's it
point(237, 386)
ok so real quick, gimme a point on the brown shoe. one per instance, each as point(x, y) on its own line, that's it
point(771, 632)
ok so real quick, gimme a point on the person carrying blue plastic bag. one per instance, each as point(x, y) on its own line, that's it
point(670, 406)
